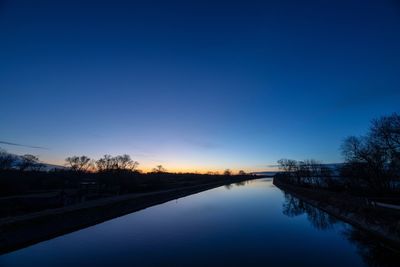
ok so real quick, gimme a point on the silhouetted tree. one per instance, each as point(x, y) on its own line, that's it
point(373, 160)
point(289, 168)
point(7, 160)
point(315, 173)
point(80, 164)
point(29, 162)
point(306, 172)
point(287, 165)
point(227, 172)
point(125, 162)
point(106, 163)
point(386, 132)
point(242, 172)
point(159, 169)
point(117, 163)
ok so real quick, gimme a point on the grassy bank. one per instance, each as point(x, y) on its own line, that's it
point(381, 223)
point(20, 231)
point(23, 192)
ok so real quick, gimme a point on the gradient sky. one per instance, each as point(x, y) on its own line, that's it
point(195, 85)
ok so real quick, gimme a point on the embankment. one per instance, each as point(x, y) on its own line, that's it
point(20, 231)
point(353, 210)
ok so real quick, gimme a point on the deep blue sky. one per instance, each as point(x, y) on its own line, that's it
point(195, 85)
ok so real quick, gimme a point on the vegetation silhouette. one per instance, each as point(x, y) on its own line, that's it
point(79, 164)
point(372, 161)
point(363, 191)
point(159, 169)
point(371, 164)
point(83, 179)
point(29, 162)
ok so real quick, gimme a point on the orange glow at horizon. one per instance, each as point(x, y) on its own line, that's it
point(179, 168)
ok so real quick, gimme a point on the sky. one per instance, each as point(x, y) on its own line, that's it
point(195, 85)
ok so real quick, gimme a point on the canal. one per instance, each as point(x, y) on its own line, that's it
point(246, 224)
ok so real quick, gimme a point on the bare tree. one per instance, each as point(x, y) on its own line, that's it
point(7, 160)
point(117, 163)
point(386, 132)
point(227, 172)
point(159, 169)
point(306, 172)
point(289, 168)
point(125, 162)
point(106, 163)
point(287, 165)
point(80, 164)
point(242, 172)
point(373, 160)
point(29, 162)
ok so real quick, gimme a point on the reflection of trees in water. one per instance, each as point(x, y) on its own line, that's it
point(373, 252)
point(242, 183)
point(319, 219)
point(292, 206)
point(228, 186)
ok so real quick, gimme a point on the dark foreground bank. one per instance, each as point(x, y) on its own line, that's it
point(381, 223)
point(20, 231)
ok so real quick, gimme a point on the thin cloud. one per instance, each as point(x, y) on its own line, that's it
point(22, 145)
point(273, 166)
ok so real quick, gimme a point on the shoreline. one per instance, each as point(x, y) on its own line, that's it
point(25, 230)
point(340, 206)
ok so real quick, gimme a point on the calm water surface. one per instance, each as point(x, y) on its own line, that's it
point(248, 224)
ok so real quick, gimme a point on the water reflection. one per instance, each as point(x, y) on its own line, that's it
point(319, 219)
point(242, 183)
point(373, 252)
point(242, 226)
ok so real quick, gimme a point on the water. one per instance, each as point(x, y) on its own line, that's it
point(248, 224)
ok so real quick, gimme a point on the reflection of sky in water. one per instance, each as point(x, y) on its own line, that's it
point(242, 225)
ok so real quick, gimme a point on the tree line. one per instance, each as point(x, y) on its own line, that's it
point(110, 175)
point(371, 162)
point(25, 162)
point(307, 172)
point(82, 164)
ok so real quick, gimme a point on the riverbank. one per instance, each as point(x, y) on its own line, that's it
point(24, 230)
point(353, 210)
